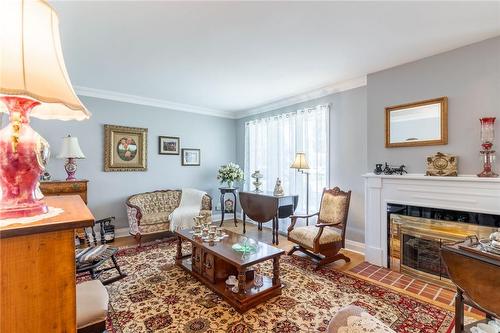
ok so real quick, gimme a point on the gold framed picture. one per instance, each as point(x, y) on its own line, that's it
point(125, 148)
point(423, 123)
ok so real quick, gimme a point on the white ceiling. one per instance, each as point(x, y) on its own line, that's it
point(233, 57)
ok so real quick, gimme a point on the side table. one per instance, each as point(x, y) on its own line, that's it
point(223, 191)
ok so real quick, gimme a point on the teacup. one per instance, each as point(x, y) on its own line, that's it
point(219, 232)
point(232, 279)
point(211, 235)
point(197, 229)
point(487, 328)
point(213, 228)
point(205, 232)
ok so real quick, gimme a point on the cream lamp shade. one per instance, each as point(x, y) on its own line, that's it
point(32, 63)
point(70, 148)
point(300, 162)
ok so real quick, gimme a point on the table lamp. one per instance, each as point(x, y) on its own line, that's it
point(70, 150)
point(33, 82)
point(301, 165)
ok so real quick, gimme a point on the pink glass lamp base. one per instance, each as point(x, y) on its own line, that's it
point(20, 162)
point(70, 168)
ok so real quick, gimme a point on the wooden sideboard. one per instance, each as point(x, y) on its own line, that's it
point(37, 270)
point(65, 187)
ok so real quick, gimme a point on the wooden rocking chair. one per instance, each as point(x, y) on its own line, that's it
point(97, 255)
point(323, 240)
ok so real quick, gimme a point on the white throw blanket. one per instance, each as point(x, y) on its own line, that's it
point(189, 207)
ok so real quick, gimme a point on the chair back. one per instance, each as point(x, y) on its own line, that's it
point(90, 236)
point(334, 208)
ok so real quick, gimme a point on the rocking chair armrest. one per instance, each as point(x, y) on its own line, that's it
point(303, 216)
point(327, 224)
point(294, 218)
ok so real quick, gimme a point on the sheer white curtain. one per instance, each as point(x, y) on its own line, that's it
point(271, 144)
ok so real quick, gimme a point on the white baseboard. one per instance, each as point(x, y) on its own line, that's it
point(122, 232)
point(355, 246)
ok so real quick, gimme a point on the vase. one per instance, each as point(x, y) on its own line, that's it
point(229, 183)
point(23, 158)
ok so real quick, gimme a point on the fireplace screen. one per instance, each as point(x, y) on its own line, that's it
point(415, 242)
point(423, 255)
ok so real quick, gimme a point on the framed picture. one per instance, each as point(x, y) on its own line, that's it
point(423, 123)
point(168, 145)
point(191, 157)
point(125, 148)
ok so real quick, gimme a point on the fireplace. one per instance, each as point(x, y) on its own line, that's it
point(416, 234)
point(453, 200)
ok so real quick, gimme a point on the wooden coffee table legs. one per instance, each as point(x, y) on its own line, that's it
point(179, 256)
point(242, 280)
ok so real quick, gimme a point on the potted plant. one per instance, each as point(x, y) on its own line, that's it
point(229, 174)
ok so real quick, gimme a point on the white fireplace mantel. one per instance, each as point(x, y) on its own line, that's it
point(463, 193)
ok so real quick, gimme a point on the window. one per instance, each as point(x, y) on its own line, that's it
point(270, 147)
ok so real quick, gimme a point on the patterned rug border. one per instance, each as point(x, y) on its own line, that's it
point(302, 264)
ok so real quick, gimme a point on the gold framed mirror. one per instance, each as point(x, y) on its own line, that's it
point(423, 123)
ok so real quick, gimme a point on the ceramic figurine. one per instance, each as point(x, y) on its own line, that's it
point(378, 169)
point(278, 189)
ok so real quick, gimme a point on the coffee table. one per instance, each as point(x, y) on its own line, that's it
point(213, 262)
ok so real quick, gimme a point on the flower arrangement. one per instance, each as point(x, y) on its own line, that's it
point(230, 173)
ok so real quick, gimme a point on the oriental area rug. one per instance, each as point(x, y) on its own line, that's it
point(157, 296)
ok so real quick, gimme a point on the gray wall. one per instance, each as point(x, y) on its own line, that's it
point(108, 190)
point(469, 76)
point(347, 147)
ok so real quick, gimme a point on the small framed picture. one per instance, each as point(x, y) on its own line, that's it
point(191, 157)
point(168, 145)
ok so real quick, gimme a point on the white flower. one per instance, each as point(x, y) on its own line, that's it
point(230, 173)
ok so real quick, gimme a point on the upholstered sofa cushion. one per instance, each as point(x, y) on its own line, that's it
point(91, 303)
point(154, 218)
point(306, 235)
point(353, 319)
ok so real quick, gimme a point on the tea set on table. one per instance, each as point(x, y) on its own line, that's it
point(204, 229)
point(232, 281)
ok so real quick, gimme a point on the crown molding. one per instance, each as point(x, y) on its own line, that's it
point(159, 103)
point(313, 94)
point(164, 104)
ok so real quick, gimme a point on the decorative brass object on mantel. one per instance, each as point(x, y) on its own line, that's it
point(442, 165)
point(423, 123)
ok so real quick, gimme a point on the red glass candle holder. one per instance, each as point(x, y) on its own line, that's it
point(487, 153)
point(22, 153)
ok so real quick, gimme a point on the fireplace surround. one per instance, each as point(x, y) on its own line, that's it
point(468, 194)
